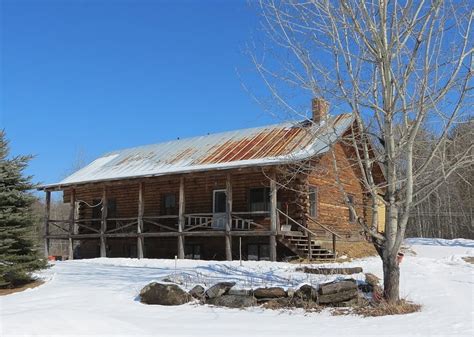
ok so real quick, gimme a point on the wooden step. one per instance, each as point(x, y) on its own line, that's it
point(302, 241)
point(299, 246)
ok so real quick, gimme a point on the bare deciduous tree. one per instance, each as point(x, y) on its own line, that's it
point(401, 67)
point(449, 211)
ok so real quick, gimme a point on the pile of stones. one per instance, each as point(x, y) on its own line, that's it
point(338, 293)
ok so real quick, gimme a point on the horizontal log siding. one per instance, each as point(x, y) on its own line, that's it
point(332, 210)
point(198, 194)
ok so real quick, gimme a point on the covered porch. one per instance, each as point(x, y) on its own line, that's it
point(231, 213)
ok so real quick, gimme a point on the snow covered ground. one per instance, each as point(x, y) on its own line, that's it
point(99, 297)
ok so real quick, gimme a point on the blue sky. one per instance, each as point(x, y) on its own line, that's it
point(94, 76)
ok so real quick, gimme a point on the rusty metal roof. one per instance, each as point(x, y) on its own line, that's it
point(274, 144)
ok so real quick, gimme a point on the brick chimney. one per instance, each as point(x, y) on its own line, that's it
point(320, 109)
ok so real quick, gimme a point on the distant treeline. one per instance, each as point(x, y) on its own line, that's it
point(448, 212)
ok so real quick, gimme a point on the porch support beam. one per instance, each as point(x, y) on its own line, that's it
point(166, 234)
point(47, 209)
point(228, 224)
point(72, 222)
point(181, 218)
point(310, 247)
point(273, 216)
point(103, 223)
point(141, 210)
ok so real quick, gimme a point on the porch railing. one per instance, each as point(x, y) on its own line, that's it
point(240, 221)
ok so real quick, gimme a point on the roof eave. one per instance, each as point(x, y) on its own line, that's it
point(227, 166)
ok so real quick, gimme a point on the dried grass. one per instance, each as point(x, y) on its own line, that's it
point(383, 308)
point(355, 250)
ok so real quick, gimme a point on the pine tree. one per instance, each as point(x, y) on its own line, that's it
point(18, 254)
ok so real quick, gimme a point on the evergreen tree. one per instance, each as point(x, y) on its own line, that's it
point(18, 254)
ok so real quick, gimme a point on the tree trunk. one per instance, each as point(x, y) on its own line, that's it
point(391, 270)
point(391, 278)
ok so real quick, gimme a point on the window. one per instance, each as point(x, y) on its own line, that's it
point(192, 252)
point(350, 201)
point(313, 201)
point(258, 252)
point(259, 199)
point(169, 204)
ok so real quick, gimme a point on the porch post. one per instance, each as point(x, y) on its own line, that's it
point(47, 208)
point(141, 210)
point(103, 223)
point(273, 216)
point(228, 224)
point(310, 247)
point(72, 210)
point(181, 219)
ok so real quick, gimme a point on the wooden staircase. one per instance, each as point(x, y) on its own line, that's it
point(301, 242)
point(298, 243)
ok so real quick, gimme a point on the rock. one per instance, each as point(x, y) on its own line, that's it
point(371, 279)
point(219, 289)
point(340, 296)
point(371, 282)
point(331, 271)
point(337, 292)
point(307, 293)
point(163, 294)
point(273, 292)
point(356, 301)
point(290, 292)
point(287, 302)
point(197, 292)
point(240, 292)
point(278, 303)
point(233, 301)
point(337, 286)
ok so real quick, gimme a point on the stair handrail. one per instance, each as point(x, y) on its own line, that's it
point(307, 229)
point(324, 227)
point(297, 223)
point(310, 232)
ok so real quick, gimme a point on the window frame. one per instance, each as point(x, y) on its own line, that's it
point(169, 210)
point(314, 205)
point(260, 248)
point(266, 199)
point(193, 251)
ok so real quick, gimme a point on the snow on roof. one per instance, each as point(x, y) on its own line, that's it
point(273, 144)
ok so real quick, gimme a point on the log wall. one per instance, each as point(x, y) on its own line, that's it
point(332, 211)
point(198, 190)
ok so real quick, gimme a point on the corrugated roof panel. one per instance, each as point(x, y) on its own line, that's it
point(256, 146)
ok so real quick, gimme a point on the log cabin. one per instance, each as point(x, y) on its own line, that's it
point(265, 193)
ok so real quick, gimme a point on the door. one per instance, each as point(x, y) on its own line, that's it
point(219, 209)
